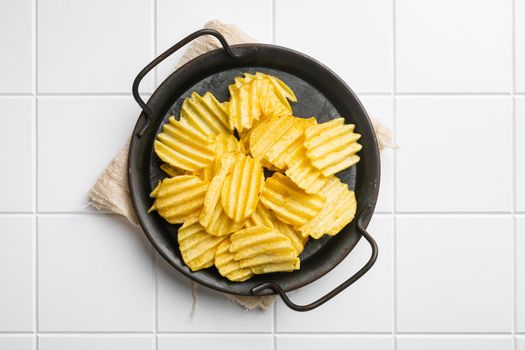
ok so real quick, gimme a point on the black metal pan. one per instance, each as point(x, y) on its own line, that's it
point(320, 93)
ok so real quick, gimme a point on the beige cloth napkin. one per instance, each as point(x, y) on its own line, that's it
point(111, 192)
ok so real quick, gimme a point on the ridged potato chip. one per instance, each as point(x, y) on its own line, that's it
point(266, 134)
point(262, 246)
point(253, 101)
point(196, 246)
point(288, 202)
point(283, 92)
point(241, 188)
point(332, 146)
point(205, 114)
point(287, 266)
point(338, 210)
point(264, 217)
point(170, 170)
point(205, 174)
point(181, 146)
point(227, 266)
point(179, 198)
point(224, 143)
point(303, 173)
point(213, 217)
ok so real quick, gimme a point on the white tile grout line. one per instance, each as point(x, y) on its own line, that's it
point(514, 182)
point(394, 166)
point(35, 205)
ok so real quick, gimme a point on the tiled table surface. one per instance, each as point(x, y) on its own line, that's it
point(447, 76)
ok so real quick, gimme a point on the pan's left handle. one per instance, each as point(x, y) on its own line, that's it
point(135, 89)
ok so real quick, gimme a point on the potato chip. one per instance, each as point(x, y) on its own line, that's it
point(179, 198)
point(266, 134)
point(213, 217)
point(227, 266)
point(283, 92)
point(260, 245)
point(181, 146)
point(171, 171)
point(287, 266)
point(303, 173)
point(288, 202)
point(338, 210)
point(253, 101)
point(205, 114)
point(205, 174)
point(332, 146)
point(224, 143)
point(264, 217)
point(196, 246)
point(241, 188)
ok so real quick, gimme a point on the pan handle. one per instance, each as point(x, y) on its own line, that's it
point(373, 257)
point(135, 88)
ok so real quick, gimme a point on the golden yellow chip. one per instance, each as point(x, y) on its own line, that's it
point(288, 202)
point(253, 101)
point(241, 188)
point(338, 211)
point(205, 114)
point(196, 246)
point(213, 217)
point(179, 198)
point(181, 146)
point(287, 266)
point(332, 146)
point(227, 266)
point(261, 245)
point(224, 143)
point(205, 174)
point(264, 217)
point(282, 90)
point(303, 173)
point(171, 171)
point(267, 133)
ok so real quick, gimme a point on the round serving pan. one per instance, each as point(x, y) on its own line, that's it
point(320, 92)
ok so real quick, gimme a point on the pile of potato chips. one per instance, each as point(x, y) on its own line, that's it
point(231, 215)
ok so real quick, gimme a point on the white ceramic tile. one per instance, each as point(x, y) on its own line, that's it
point(381, 108)
point(16, 273)
point(520, 273)
point(454, 274)
point(213, 311)
point(353, 38)
point(77, 138)
point(451, 155)
point(93, 46)
point(216, 342)
point(16, 154)
point(520, 45)
point(520, 153)
point(365, 306)
point(176, 19)
point(17, 342)
point(334, 342)
point(520, 342)
point(16, 46)
point(453, 46)
point(454, 343)
point(95, 274)
point(99, 342)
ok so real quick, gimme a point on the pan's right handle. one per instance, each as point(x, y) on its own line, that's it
point(373, 257)
point(135, 89)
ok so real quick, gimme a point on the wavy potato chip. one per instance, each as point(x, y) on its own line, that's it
point(332, 146)
point(227, 266)
point(241, 188)
point(338, 210)
point(196, 246)
point(205, 114)
point(179, 198)
point(261, 246)
point(283, 92)
point(264, 217)
point(303, 173)
point(224, 143)
point(288, 202)
point(267, 133)
point(171, 171)
point(213, 217)
point(253, 101)
point(181, 146)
